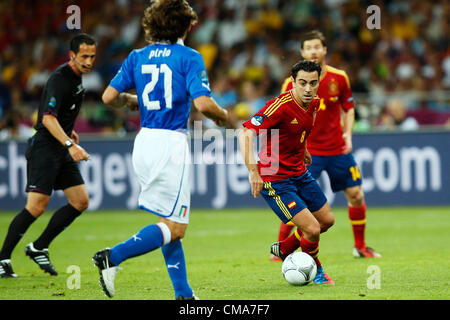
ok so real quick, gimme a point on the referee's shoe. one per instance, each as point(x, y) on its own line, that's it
point(41, 258)
point(6, 270)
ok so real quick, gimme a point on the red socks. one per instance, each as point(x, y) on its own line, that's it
point(357, 217)
point(285, 231)
point(311, 248)
point(296, 240)
point(291, 243)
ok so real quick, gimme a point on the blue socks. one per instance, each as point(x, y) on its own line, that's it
point(176, 266)
point(150, 238)
point(147, 239)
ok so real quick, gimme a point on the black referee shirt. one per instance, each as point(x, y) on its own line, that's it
point(62, 97)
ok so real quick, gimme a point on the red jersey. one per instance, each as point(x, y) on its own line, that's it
point(282, 151)
point(334, 93)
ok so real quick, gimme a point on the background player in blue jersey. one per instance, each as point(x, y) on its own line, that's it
point(166, 75)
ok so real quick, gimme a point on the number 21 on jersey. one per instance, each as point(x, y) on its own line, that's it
point(155, 71)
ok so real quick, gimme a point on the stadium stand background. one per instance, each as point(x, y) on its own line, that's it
point(400, 74)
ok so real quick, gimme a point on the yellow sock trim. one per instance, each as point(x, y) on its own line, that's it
point(358, 222)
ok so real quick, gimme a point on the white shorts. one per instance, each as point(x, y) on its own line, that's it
point(161, 161)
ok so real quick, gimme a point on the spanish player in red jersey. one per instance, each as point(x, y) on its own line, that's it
point(330, 144)
point(280, 175)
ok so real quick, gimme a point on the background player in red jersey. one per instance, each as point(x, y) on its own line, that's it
point(330, 144)
point(281, 175)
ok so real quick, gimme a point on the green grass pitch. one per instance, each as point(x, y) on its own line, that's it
point(227, 253)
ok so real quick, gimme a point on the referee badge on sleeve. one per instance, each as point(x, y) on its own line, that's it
point(52, 102)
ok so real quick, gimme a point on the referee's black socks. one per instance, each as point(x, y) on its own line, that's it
point(16, 230)
point(60, 220)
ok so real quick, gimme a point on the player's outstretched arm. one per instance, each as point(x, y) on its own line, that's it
point(115, 99)
point(208, 107)
point(245, 138)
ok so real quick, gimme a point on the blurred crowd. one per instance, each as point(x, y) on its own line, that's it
point(400, 73)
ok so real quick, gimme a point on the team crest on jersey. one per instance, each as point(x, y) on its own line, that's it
point(257, 120)
point(333, 88)
point(52, 102)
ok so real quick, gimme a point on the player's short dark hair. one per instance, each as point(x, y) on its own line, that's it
point(305, 65)
point(312, 35)
point(167, 20)
point(79, 39)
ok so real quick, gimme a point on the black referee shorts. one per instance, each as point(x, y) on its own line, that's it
point(50, 166)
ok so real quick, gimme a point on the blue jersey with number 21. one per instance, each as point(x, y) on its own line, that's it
point(166, 78)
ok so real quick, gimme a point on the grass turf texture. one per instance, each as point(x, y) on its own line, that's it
point(227, 253)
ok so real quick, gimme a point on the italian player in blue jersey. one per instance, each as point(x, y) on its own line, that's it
point(166, 75)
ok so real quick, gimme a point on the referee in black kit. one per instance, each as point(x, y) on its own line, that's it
point(52, 156)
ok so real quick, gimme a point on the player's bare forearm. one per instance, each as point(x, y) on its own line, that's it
point(115, 99)
point(308, 158)
point(245, 138)
point(349, 119)
point(209, 108)
point(129, 100)
point(125, 100)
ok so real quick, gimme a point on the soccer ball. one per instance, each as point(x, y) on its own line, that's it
point(299, 268)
